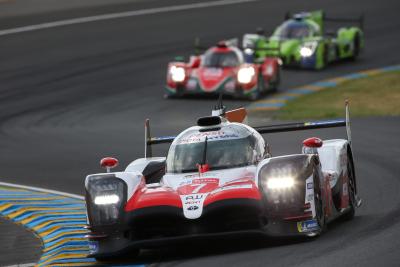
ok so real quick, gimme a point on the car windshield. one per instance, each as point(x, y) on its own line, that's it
point(293, 30)
point(221, 154)
point(221, 59)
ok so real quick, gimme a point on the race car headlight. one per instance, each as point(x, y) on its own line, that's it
point(308, 49)
point(177, 74)
point(280, 183)
point(105, 198)
point(245, 74)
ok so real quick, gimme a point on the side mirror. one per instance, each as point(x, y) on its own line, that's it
point(108, 163)
point(311, 145)
point(195, 62)
point(313, 142)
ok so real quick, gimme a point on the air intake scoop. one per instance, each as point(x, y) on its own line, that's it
point(209, 121)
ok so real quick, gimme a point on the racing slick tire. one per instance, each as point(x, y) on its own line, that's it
point(273, 84)
point(259, 90)
point(179, 94)
point(356, 45)
point(168, 96)
point(319, 207)
point(351, 190)
point(324, 58)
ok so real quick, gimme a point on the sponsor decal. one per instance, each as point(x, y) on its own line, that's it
point(230, 86)
point(191, 85)
point(227, 133)
point(307, 226)
point(322, 122)
point(213, 72)
point(205, 181)
point(196, 186)
point(207, 174)
point(93, 246)
point(232, 187)
point(193, 199)
point(310, 185)
point(193, 205)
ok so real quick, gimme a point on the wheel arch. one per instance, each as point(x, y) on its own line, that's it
point(351, 159)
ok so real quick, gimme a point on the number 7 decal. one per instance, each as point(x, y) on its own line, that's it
point(197, 188)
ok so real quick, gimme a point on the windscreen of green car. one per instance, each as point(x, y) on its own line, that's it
point(293, 30)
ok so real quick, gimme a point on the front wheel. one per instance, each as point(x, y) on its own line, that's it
point(259, 90)
point(351, 189)
point(319, 207)
point(274, 83)
point(356, 47)
point(323, 62)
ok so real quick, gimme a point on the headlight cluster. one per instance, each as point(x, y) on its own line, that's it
point(308, 49)
point(245, 74)
point(280, 183)
point(106, 198)
point(177, 74)
point(280, 179)
point(283, 183)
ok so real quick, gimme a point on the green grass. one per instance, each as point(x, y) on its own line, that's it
point(378, 95)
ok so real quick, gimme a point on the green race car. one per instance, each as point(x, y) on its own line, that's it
point(302, 41)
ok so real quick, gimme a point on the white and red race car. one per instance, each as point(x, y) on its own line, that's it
point(223, 69)
point(218, 179)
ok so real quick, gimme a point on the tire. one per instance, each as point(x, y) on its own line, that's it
point(351, 189)
point(356, 45)
point(261, 84)
point(324, 58)
point(255, 95)
point(319, 207)
point(168, 96)
point(275, 83)
point(260, 89)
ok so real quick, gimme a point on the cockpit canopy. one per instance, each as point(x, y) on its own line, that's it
point(222, 58)
point(296, 29)
point(232, 145)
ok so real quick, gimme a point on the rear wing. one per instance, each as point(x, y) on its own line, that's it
point(320, 17)
point(287, 127)
point(270, 51)
point(148, 152)
point(250, 40)
point(359, 20)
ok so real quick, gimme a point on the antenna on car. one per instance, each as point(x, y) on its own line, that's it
point(204, 161)
point(203, 166)
point(219, 109)
point(348, 124)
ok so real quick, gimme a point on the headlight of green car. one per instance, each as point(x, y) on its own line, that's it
point(308, 49)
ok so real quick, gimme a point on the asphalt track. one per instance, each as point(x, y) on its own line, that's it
point(72, 94)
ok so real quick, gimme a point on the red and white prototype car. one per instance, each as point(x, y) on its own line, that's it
point(218, 179)
point(223, 69)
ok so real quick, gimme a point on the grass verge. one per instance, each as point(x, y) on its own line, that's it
point(378, 95)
